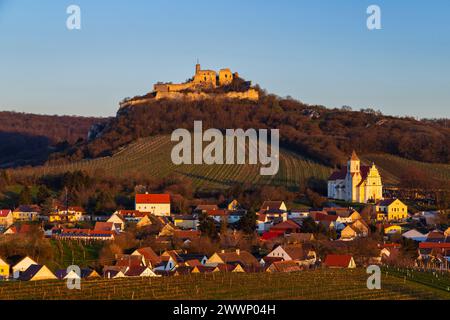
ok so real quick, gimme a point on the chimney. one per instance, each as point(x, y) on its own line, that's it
point(238, 251)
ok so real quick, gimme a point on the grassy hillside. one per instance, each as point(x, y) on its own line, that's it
point(321, 285)
point(151, 157)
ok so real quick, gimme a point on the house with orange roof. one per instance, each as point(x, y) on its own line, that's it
point(284, 266)
point(4, 269)
point(344, 261)
point(6, 218)
point(156, 204)
point(151, 259)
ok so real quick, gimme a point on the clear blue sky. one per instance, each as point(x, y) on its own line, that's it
point(318, 51)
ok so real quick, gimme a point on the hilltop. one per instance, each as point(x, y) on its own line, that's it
point(324, 135)
point(28, 139)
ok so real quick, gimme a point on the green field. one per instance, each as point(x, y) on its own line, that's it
point(151, 157)
point(324, 284)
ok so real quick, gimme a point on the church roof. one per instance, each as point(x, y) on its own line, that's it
point(341, 174)
point(354, 156)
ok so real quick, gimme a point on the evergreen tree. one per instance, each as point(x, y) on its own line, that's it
point(25, 196)
point(248, 222)
point(207, 226)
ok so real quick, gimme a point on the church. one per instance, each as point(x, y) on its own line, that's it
point(356, 183)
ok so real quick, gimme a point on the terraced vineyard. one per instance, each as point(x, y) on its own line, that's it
point(392, 167)
point(151, 157)
point(324, 284)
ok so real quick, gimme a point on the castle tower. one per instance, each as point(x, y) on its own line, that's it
point(197, 68)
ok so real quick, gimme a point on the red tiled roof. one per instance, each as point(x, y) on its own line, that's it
point(271, 235)
point(286, 225)
point(103, 226)
point(391, 245)
point(434, 245)
point(4, 213)
point(153, 198)
point(336, 260)
point(325, 217)
point(187, 234)
point(220, 213)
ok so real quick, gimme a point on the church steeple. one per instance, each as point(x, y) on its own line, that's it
point(354, 156)
point(354, 163)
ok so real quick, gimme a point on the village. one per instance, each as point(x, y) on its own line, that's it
point(379, 232)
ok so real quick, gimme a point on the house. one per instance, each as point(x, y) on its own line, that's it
point(144, 222)
point(393, 229)
point(349, 233)
point(391, 210)
point(167, 264)
point(273, 205)
point(28, 213)
point(225, 215)
point(340, 261)
point(84, 234)
point(4, 269)
point(203, 269)
point(272, 235)
point(361, 228)
point(287, 227)
point(186, 222)
point(6, 218)
point(156, 204)
point(434, 255)
point(436, 236)
point(186, 236)
point(447, 232)
point(356, 182)
point(275, 211)
point(389, 252)
point(284, 266)
point(263, 224)
point(116, 219)
point(297, 253)
point(183, 270)
point(415, 235)
point(126, 261)
point(63, 275)
point(20, 265)
point(131, 215)
point(87, 273)
point(294, 238)
point(107, 226)
point(204, 208)
point(113, 274)
point(151, 259)
point(36, 272)
point(140, 271)
point(244, 258)
point(233, 205)
point(68, 214)
point(21, 229)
